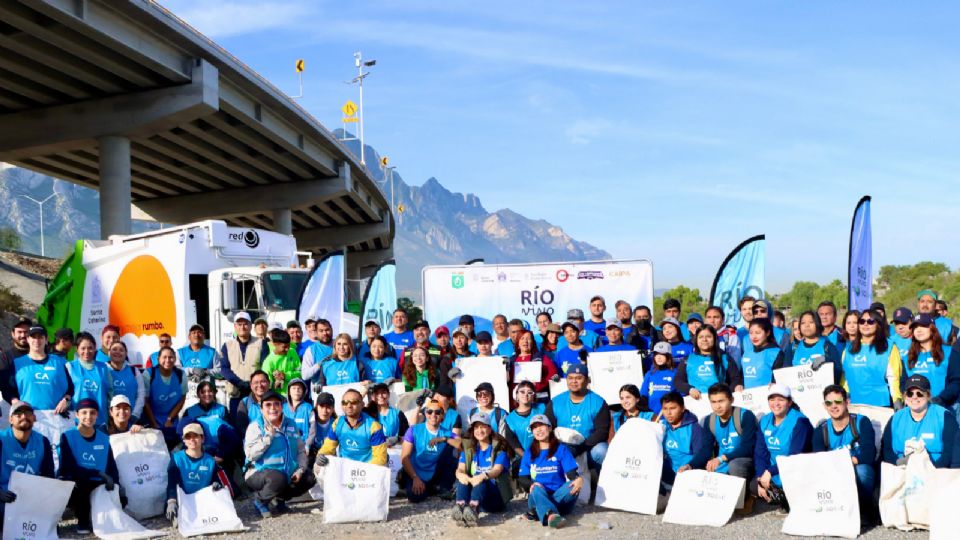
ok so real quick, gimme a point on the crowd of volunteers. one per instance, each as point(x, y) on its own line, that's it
point(271, 435)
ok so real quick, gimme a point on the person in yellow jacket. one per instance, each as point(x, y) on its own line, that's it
point(282, 365)
point(358, 435)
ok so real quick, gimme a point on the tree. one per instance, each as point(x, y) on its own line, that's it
point(10, 238)
point(690, 301)
point(414, 313)
point(807, 295)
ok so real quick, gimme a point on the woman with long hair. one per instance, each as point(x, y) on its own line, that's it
point(634, 405)
point(814, 348)
point(850, 326)
point(871, 366)
point(558, 481)
point(418, 373)
point(928, 356)
point(393, 422)
point(761, 355)
point(706, 366)
point(483, 474)
point(342, 366)
point(527, 352)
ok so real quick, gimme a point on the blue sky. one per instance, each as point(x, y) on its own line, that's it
point(668, 131)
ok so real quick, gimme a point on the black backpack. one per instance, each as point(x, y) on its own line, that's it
point(853, 431)
point(713, 422)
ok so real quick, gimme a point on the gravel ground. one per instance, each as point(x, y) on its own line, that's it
point(430, 520)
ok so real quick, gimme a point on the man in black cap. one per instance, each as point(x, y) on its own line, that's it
point(371, 329)
point(41, 379)
point(23, 450)
point(421, 338)
point(277, 472)
point(18, 348)
point(484, 343)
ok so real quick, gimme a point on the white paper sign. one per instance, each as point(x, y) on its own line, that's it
point(337, 391)
point(807, 386)
point(630, 477)
point(699, 407)
point(527, 371)
point(475, 371)
point(557, 388)
point(610, 370)
point(754, 399)
point(702, 498)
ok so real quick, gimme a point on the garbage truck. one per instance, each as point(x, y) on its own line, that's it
point(165, 281)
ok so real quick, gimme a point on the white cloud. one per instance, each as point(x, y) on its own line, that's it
point(585, 131)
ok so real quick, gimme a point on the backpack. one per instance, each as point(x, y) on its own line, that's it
point(713, 422)
point(853, 431)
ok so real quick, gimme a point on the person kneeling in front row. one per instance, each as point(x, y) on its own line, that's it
point(483, 475)
point(427, 456)
point(191, 469)
point(549, 472)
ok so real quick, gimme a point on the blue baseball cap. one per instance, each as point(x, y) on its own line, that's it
point(695, 317)
point(922, 319)
point(902, 315)
point(580, 369)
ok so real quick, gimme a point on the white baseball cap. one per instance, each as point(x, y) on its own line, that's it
point(777, 389)
point(242, 316)
point(119, 400)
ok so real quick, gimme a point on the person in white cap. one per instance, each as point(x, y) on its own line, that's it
point(783, 432)
point(239, 358)
point(191, 470)
point(483, 474)
point(121, 418)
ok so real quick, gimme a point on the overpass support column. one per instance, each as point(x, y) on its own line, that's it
point(114, 186)
point(283, 220)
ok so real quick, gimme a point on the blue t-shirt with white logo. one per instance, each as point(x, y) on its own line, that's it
point(549, 471)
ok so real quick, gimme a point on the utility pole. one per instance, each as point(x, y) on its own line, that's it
point(360, 63)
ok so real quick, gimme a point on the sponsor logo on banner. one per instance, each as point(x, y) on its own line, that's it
point(590, 274)
point(501, 276)
point(456, 280)
point(562, 275)
point(619, 273)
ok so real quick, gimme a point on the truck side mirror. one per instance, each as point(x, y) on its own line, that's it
point(228, 295)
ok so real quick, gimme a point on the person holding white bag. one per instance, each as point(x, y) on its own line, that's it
point(921, 421)
point(23, 450)
point(87, 459)
point(191, 470)
point(783, 432)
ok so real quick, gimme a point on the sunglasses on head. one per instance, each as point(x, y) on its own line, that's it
point(916, 393)
point(867, 322)
point(432, 411)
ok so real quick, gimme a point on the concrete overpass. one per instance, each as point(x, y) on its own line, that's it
point(124, 97)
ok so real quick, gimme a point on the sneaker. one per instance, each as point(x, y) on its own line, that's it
point(84, 527)
point(555, 521)
point(531, 515)
point(262, 508)
point(470, 517)
point(456, 514)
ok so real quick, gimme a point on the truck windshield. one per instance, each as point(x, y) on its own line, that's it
point(281, 290)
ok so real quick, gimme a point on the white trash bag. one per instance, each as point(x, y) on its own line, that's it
point(701, 498)
point(354, 491)
point(37, 510)
point(110, 522)
point(52, 426)
point(393, 457)
point(142, 461)
point(207, 512)
point(630, 477)
point(822, 491)
point(905, 491)
point(573, 437)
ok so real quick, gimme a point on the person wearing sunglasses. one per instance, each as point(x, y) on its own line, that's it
point(921, 423)
point(855, 433)
point(785, 432)
point(517, 424)
point(814, 349)
point(871, 365)
point(428, 456)
point(358, 436)
point(487, 404)
point(930, 357)
point(763, 309)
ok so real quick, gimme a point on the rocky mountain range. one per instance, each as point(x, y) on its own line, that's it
point(437, 226)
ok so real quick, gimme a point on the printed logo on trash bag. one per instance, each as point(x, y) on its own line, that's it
point(633, 468)
point(826, 503)
point(358, 479)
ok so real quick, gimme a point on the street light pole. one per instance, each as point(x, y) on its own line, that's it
point(40, 204)
point(359, 62)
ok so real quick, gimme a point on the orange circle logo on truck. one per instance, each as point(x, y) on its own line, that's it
point(142, 302)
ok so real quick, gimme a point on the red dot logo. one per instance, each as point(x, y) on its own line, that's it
point(562, 275)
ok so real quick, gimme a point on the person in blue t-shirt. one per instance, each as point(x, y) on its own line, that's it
point(166, 387)
point(585, 412)
point(324, 408)
point(575, 352)
point(400, 337)
point(378, 361)
point(633, 405)
point(659, 380)
point(371, 331)
point(191, 470)
point(392, 420)
point(87, 460)
point(428, 456)
point(549, 473)
point(23, 450)
point(927, 301)
point(827, 311)
point(686, 445)
point(483, 475)
point(355, 435)
point(671, 331)
point(707, 365)
point(596, 323)
point(855, 433)
point(900, 332)
point(220, 438)
point(614, 338)
point(41, 379)
point(785, 431)
point(734, 434)
point(921, 423)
